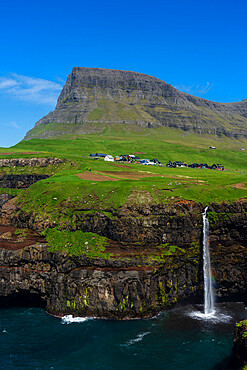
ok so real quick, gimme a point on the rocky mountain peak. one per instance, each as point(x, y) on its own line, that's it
point(95, 95)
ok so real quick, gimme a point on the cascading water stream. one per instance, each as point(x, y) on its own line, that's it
point(210, 313)
point(208, 288)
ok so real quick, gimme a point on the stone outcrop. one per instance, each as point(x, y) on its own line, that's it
point(93, 95)
point(20, 181)
point(3, 199)
point(30, 162)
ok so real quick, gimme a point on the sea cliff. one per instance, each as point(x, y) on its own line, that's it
point(152, 261)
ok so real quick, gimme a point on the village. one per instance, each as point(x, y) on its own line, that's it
point(131, 158)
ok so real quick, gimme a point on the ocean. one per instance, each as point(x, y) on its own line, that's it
point(175, 339)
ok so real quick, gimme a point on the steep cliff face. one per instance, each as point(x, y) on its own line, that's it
point(239, 351)
point(81, 286)
point(22, 181)
point(138, 280)
point(93, 95)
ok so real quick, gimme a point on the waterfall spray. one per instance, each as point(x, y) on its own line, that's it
point(208, 288)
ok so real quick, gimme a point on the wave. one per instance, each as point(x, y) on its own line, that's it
point(69, 319)
point(137, 339)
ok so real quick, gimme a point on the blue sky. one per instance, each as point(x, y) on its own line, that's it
point(197, 46)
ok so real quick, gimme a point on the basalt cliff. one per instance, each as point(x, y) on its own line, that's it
point(139, 279)
point(93, 98)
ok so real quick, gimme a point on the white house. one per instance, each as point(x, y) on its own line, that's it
point(109, 158)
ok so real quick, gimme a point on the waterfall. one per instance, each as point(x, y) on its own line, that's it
point(210, 313)
point(208, 288)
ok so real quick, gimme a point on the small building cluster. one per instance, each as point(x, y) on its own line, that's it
point(127, 158)
point(130, 158)
point(195, 165)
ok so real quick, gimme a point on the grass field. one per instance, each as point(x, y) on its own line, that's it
point(163, 185)
point(84, 185)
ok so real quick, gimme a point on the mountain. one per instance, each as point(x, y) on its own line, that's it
point(94, 97)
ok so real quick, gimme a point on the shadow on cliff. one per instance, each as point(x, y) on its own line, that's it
point(229, 363)
point(225, 364)
point(23, 299)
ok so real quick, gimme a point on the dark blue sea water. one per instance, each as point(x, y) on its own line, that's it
point(31, 339)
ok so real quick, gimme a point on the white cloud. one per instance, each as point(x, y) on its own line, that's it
point(14, 124)
point(6, 83)
point(10, 124)
point(31, 89)
point(195, 89)
point(61, 80)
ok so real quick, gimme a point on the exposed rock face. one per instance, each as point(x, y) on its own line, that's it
point(93, 95)
point(4, 198)
point(104, 288)
point(20, 181)
point(31, 162)
point(127, 286)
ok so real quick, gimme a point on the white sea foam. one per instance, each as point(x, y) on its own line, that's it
point(214, 316)
point(69, 319)
point(137, 339)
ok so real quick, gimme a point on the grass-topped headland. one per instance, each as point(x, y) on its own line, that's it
point(162, 184)
point(83, 186)
point(80, 187)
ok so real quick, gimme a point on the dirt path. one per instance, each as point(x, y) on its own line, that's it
point(240, 185)
point(132, 175)
point(117, 175)
point(94, 177)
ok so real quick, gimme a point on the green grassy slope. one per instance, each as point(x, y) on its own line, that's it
point(162, 143)
point(59, 198)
